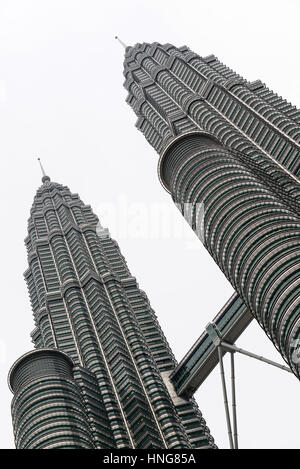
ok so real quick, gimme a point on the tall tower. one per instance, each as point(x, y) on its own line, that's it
point(230, 158)
point(99, 377)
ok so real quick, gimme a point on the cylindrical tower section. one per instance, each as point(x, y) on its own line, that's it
point(251, 234)
point(47, 409)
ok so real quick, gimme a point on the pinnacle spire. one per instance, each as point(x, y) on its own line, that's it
point(41, 166)
point(45, 177)
point(121, 42)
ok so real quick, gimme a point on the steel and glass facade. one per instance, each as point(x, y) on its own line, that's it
point(47, 408)
point(230, 158)
point(99, 377)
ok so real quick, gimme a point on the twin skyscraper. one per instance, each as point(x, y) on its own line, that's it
point(102, 374)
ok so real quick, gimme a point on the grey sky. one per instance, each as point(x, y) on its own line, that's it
point(61, 98)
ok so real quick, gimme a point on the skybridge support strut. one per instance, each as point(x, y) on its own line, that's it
point(232, 349)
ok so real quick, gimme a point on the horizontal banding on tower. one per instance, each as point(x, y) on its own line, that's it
point(37, 363)
point(179, 149)
point(48, 408)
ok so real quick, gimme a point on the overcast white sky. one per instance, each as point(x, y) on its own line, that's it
point(61, 97)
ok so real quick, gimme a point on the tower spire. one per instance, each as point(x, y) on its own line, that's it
point(121, 42)
point(45, 177)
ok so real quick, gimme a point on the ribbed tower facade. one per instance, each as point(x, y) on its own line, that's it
point(230, 158)
point(99, 374)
